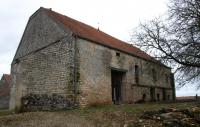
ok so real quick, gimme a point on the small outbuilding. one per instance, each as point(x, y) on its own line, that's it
point(5, 84)
point(61, 62)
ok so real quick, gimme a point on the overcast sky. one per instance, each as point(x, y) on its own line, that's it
point(115, 17)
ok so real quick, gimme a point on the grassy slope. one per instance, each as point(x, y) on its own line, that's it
point(110, 115)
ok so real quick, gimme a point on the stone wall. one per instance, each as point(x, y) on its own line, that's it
point(48, 71)
point(94, 72)
point(96, 63)
point(40, 31)
point(35, 102)
point(78, 71)
point(44, 62)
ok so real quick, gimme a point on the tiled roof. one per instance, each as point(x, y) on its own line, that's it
point(85, 31)
point(7, 77)
point(5, 86)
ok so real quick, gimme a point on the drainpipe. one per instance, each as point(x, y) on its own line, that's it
point(75, 68)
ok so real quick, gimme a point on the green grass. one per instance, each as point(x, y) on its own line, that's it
point(130, 108)
point(105, 116)
point(126, 108)
point(5, 112)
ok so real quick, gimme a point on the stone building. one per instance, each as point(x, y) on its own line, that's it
point(61, 62)
point(5, 84)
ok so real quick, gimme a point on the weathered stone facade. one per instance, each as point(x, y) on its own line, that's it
point(96, 63)
point(43, 63)
point(48, 71)
point(53, 62)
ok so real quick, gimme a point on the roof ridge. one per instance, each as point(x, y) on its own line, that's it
point(90, 26)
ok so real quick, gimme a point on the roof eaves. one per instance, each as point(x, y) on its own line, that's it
point(100, 43)
point(88, 39)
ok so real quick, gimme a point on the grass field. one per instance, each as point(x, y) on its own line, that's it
point(98, 116)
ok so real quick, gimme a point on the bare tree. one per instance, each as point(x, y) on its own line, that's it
point(175, 41)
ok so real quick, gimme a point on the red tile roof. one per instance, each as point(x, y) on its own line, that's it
point(5, 86)
point(90, 33)
point(7, 77)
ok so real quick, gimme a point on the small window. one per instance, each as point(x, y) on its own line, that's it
point(143, 97)
point(136, 74)
point(17, 61)
point(166, 78)
point(117, 54)
point(158, 97)
point(154, 75)
point(168, 97)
